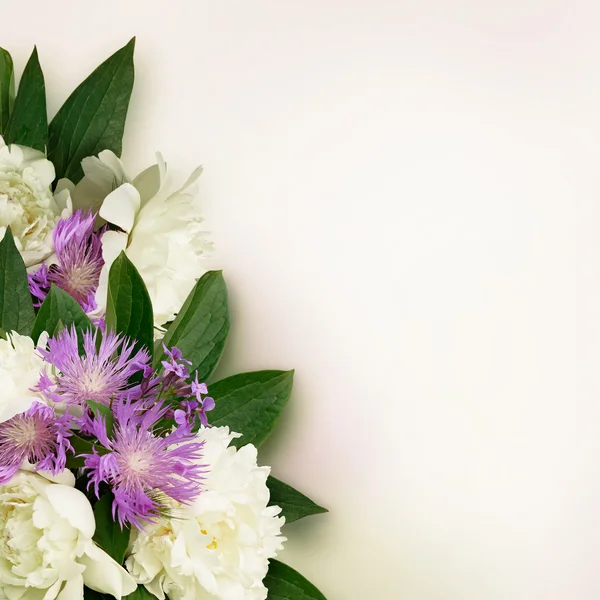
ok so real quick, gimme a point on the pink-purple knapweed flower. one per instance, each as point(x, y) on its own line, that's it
point(101, 373)
point(38, 436)
point(143, 468)
point(78, 261)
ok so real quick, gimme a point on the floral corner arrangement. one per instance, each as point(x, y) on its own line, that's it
point(125, 471)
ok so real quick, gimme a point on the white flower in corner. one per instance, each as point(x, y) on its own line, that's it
point(160, 231)
point(20, 369)
point(220, 546)
point(46, 547)
point(27, 204)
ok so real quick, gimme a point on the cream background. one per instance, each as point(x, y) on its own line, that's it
point(405, 201)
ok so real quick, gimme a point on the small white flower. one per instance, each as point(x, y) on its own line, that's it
point(220, 546)
point(26, 201)
point(20, 369)
point(46, 547)
point(161, 231)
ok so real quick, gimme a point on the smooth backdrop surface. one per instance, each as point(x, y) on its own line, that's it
point(405, 199)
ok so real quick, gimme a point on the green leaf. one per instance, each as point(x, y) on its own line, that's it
point(81, 446)
point(16, 305)
point(200, 329)
point(93, 117)
point(109, 535)
point(90, 594)
point(7, 87)
point(294, 505)
point(284, 583)
point(28, 122)
point(250, 403)
point(59, 310)
point(129, 309)
point(141, 593)
point(101, 411)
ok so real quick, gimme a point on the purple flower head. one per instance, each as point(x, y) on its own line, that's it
point(204, 404)
point(143, 468)
point(78, 261)
point(176, 364)
point(100, 374)
point(37, 436)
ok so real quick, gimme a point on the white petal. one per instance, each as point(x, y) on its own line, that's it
point(114, 163)
point(105, 171)
point(44, 170)
point(192, 179)
point(121, 206)
point(104, 575)
point(64, 184)
point(148, 183)
point(73, 589)
point(73, 506)
point(113, 243)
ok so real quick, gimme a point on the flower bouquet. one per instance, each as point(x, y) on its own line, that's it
point(124, 470)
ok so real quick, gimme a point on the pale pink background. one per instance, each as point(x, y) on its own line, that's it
point(405, 198)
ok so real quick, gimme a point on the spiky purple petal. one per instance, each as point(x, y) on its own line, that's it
point(100, 374)
point(142, 467)
point(78, 263)
point(38, 436)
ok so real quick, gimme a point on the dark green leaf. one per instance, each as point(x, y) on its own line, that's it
point(89, 594)
point(7, 87)
point(59, 309)
point(28, 122)
point(81, 446)
point(284, 583)
point(294, 505)
point(103, 412)
point(16, 305)
point(251, 403)
point(200, 329)
point(93, 117)
point(109, 535)
point(141, 593)
point(129, 309)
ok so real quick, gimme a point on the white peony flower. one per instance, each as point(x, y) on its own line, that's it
point(46, 547)
point(220, 546)
point(161, 231)
point(20, 369)
point(26, 201)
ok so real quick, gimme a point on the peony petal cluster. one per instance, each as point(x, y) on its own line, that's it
point(220, 545)
point(27, 204)
point(160, 230)
point(46, 547)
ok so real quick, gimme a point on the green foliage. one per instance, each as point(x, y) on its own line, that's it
point(284, 583)
point(294, 505)
point(16, 305)
point(57, 311)
point(7, 87)
point(129, 310)
point(93, 117)
point(109, 535)
point(201, 327)
point(28, 121)
point(250, 403)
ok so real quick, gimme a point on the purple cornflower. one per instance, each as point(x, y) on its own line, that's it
point(144, 469)
point(99, 374)
point(78, 261)
point(37, 436)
